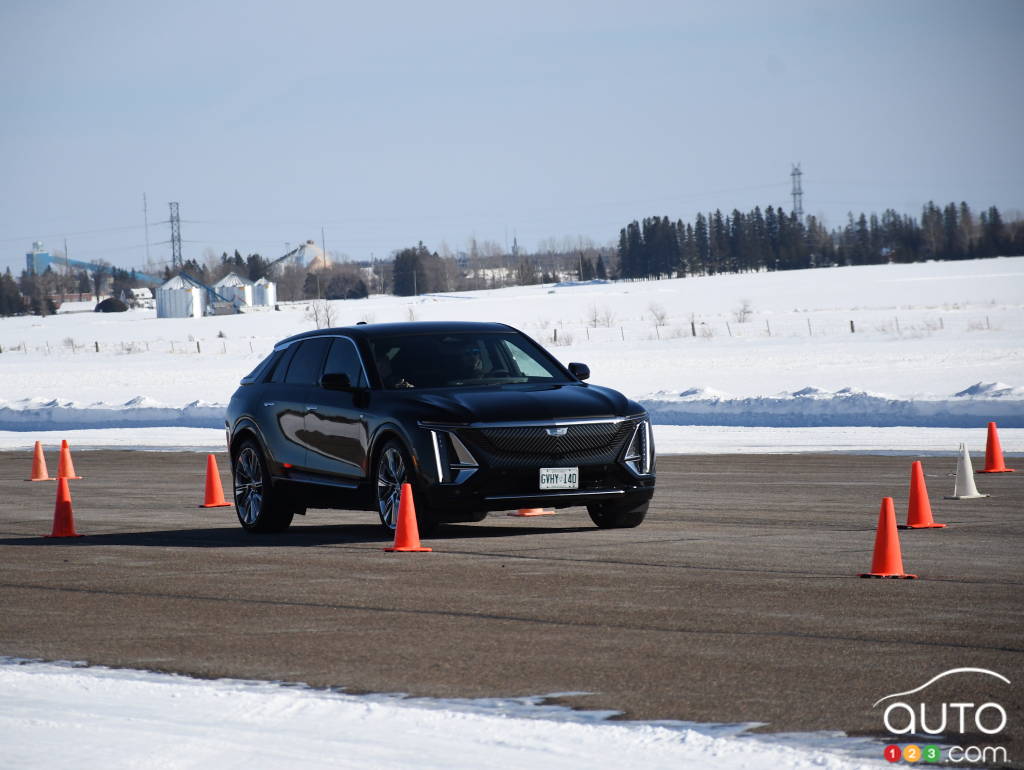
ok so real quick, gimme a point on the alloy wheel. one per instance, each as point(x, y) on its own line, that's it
point(391, 474)
point(248, 486)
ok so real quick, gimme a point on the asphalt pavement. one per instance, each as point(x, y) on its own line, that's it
point(738, 600)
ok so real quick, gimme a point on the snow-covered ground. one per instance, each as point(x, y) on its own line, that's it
point(896, 358)
point(854, 349)
point(62, 716)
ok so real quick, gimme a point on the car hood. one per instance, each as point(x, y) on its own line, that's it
point(523, 403)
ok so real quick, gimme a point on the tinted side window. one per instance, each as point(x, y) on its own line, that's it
point(281, 366)
point(307, 361)
point(343, 359)
point(265, 367)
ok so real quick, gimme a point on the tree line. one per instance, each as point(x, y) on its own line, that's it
point(774, 239)
point(655, 247)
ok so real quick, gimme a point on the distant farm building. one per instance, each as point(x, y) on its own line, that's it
point(264, 293)
point(186, 297)
point(235, 288)
point(179, 298)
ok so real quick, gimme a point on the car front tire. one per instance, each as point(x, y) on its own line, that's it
point(256, 500)
point(391, 470)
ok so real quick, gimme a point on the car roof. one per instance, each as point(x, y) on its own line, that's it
point(370, 331)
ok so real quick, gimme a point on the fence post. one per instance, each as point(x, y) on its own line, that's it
point(810, 331)
point(728, 328)
point(554, 340)
point(198, 349)
point(897, 320)
point(852, 330)
point(768, 327)
point(693, 329)
point(623, 332)
point(97, 344)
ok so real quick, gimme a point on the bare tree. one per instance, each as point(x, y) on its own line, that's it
point(321, 313)
point(658, 313)
point(743, 312)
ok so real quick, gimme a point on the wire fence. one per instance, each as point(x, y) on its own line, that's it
point(582, 332)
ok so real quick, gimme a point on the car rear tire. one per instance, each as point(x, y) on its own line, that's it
point(391, 470)
point(617, 515)
point(256, 500)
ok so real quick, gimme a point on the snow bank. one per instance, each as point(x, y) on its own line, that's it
point(59, 715)
point(849, 407)
point(806, 407)
point(59, 414)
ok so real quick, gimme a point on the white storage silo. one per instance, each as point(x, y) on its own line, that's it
point(235, 288)
point(179, 298)
point(264, 293)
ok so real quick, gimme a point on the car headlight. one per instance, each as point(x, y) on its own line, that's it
point(639, 456)
point(455, 463)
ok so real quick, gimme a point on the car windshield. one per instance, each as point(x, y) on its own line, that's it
point(461, 359)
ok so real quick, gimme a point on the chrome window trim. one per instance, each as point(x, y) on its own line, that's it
point(352, 342)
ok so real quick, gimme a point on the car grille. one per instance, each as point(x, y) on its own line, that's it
point(532, 446)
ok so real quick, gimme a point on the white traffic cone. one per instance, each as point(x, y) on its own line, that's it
point(964, 487)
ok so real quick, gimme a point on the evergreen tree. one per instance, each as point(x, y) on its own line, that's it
point(600, 270)
point(953, 246)
point(967, 236)
point(719, 235)
point(702, 242)
point(993, 234)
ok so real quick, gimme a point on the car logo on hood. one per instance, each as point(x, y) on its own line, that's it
point(556, 431)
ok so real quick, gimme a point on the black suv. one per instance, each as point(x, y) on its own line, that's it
point(476, 416)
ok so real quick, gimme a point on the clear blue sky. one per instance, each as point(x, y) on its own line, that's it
point(389, 123)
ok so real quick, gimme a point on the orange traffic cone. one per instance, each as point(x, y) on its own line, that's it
point(39, 472)
point(887, 561)
point(531, 512)
point(919, 510)
point(407, 534)
point(214, 490)
point(994, 453)
point(66, 468)
point(63, 516)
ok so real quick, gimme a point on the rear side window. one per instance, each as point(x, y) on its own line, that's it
point(281, 366)
point(343, 359)
point(307, 362)
point(264, 368)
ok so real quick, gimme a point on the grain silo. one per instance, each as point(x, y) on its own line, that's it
point(264, 293)
point(179, 298)
point(236, 289)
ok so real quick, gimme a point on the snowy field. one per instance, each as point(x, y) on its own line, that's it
point(896, 359)
point(61, 716)
point(888, 358)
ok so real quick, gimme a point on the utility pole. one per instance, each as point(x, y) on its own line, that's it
point(176, 261)
point(145, 219)
point(798, 193)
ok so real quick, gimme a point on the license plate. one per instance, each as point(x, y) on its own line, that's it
point(559, 478)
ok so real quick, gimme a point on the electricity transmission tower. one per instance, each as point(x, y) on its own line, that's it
point(176, 261)
point(798, 193)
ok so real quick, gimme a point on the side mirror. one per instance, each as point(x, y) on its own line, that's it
point(579, 371)
point(336, 381)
